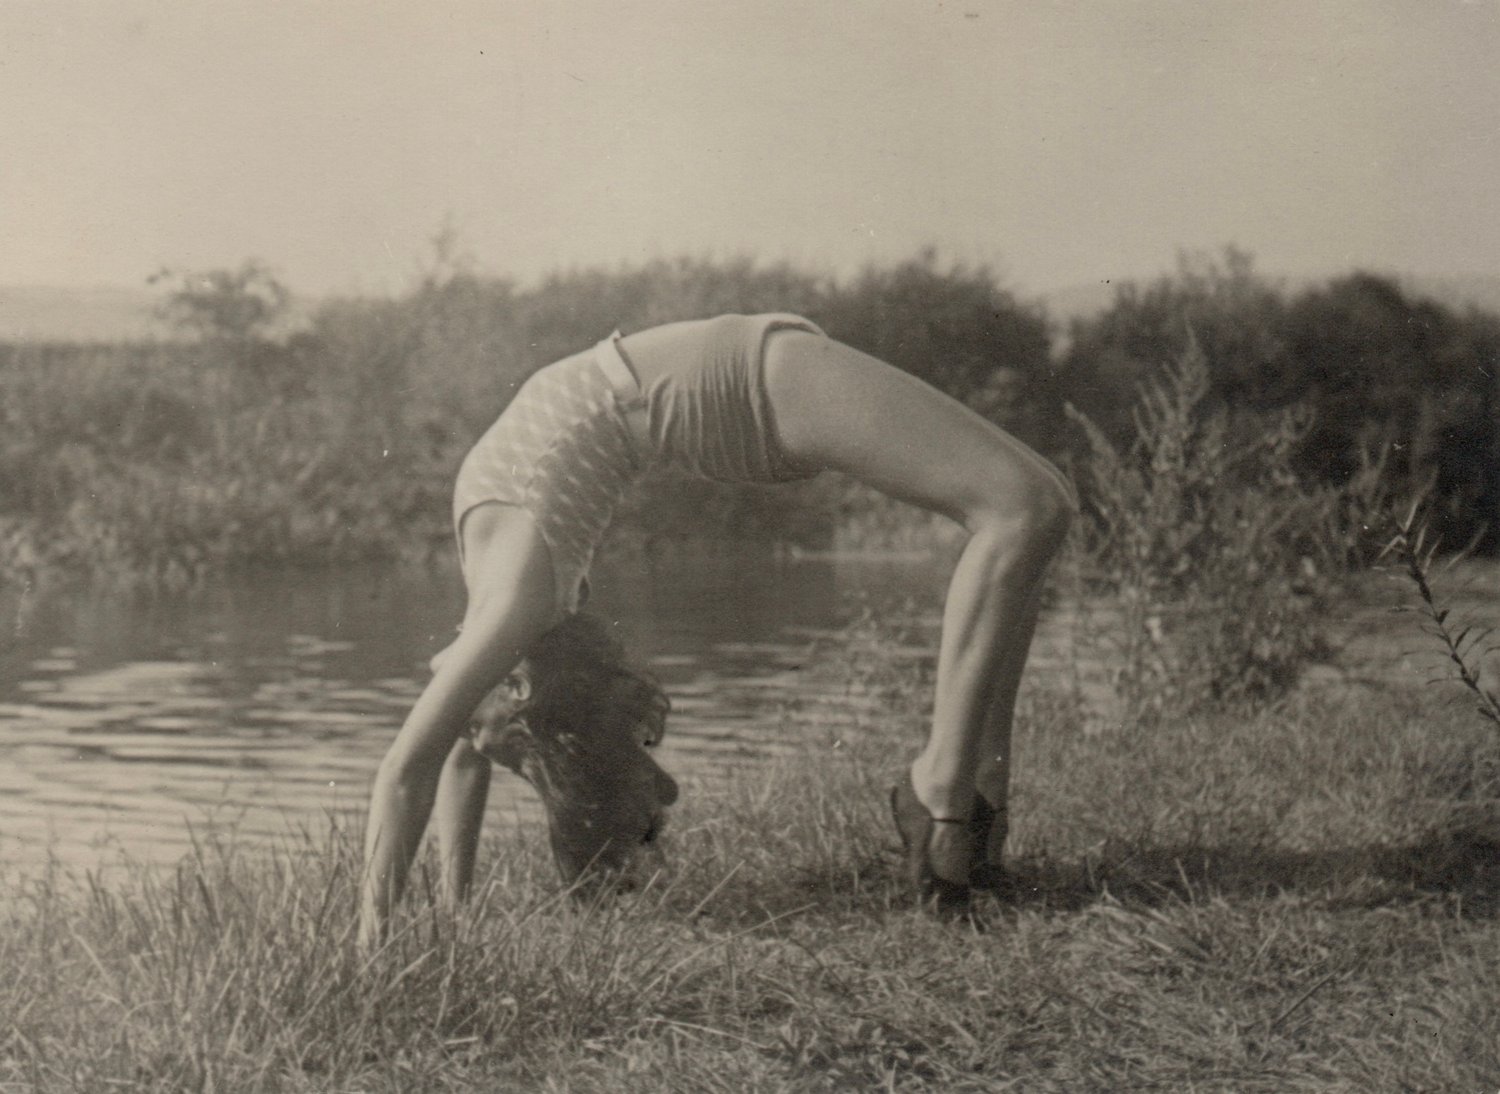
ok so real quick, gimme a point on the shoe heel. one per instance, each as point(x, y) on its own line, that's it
point(987, 825)
point(914, 824)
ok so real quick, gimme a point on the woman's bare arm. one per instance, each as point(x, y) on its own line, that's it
point(511, 603)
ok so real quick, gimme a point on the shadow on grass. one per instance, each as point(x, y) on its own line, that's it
point(1463, 864)
point(1460, 866)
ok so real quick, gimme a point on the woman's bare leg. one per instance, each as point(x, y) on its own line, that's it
point(992, 773)
point(512, 602)
point(839, 409)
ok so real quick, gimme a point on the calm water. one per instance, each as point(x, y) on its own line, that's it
point(264, 704)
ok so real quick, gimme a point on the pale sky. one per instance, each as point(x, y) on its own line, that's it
point(1062, 143)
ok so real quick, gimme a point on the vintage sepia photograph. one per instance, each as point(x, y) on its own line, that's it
point(910, 545)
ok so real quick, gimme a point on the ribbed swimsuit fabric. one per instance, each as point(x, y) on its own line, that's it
point(564, 451)
point(707, 409)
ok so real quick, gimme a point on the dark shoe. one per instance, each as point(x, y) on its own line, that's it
point(987, 826)
point(942, 895)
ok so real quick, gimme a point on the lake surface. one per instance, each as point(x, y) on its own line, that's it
point(263, 704)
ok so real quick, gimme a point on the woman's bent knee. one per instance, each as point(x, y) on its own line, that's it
point(1053, 511)
point(1023, 533)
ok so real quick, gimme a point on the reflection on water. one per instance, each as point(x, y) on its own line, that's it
point(264, 704)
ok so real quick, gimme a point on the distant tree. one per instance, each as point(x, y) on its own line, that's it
point(1407, 382)
point(237, 306)
point(1213, 304)
point(1401, 393)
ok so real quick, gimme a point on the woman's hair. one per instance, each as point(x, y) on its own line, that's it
point(579, 638)
point(578, 739)
point(579, 673)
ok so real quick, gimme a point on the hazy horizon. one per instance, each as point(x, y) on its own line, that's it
point(1061, 144)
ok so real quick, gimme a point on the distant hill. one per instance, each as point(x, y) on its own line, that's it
point(30, 313)
point(1077, 301)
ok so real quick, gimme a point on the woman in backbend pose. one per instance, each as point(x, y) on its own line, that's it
point(764, 398)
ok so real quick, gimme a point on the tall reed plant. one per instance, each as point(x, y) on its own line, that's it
point(1203, 556)
point(1471, 807)
point(1464, 645)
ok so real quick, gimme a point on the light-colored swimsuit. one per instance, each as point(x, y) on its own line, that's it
point(564, 450)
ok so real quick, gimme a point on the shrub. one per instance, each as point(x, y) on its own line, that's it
point(1204, 545)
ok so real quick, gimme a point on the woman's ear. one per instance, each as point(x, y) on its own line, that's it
point(518, 684)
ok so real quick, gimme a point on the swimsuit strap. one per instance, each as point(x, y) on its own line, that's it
point(612, 363)
point(628, 394)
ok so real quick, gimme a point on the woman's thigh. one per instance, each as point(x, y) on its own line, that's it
point(839, 409)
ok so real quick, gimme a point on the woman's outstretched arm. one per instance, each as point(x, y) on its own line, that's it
point(511, 604)
point(458, 814)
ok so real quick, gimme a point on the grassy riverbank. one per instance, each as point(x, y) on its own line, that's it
point(1299, 897)
point(1228, 879)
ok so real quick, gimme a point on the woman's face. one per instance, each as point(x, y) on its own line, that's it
point(578, 736)
point(499, 724)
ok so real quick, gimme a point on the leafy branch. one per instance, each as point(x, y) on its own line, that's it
point(1461, 643)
